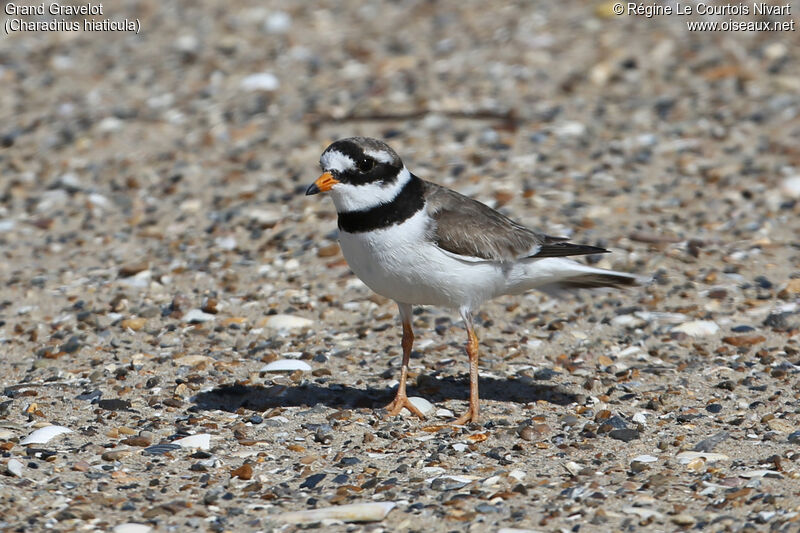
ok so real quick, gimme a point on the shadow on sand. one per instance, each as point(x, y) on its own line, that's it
point(338, 395)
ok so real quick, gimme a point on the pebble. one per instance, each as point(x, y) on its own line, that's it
point(794, 437)
point(447, 483)
point(645, 459)
point(200, 441)
point(625, 435)
point(133, 324)
point(278, 22)
point(14, 467)
point(698, 328)
point(707, 445)
point(44, 435)
point(161, 449)
point(243, 472)
point(286, 365)
point(683, 520)
point(355, 512)
point(781, 426)
point(743, 340)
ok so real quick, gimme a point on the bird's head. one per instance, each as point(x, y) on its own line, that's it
point(360, 173)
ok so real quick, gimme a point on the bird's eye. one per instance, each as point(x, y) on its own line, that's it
point(365, 164)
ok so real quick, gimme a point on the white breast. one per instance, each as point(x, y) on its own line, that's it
point(400, 263)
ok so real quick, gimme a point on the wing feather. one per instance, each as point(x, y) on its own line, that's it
point(467, 227)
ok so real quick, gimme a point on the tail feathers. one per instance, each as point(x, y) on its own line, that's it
point(597, 280)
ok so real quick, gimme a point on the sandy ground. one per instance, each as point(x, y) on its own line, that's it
point(158, 254)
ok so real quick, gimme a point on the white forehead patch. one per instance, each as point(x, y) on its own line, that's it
point(333, 160)
point(347, 197)
point(381, 156)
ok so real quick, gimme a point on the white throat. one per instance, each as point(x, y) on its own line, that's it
point(347, 197)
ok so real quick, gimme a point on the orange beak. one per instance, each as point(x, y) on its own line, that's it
point(324, 183)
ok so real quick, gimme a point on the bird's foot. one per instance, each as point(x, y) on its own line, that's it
point(400, 401)
point(471, 416)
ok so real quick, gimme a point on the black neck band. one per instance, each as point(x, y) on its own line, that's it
point(407, 202)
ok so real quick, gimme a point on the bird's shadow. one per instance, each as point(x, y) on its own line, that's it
point(338, 395)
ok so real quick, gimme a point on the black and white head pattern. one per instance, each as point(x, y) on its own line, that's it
point(368, 171)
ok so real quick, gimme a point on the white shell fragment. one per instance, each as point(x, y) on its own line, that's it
point(698, 328)
point(422, 404)
point(645, 459)
point(14, 467)
point(643, 513)
point(132, 527)
point(44, 435)
point(791, 187)
point(288, 322)
point(355, 512)
point(264, 81)
point(688, 457)
point(196, 316)
point(201, 441)
point(286, 365)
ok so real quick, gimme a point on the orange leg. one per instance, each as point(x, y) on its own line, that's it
point(473, 414)
point(400, 399)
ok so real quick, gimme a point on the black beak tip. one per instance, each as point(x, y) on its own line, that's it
point(312, 189)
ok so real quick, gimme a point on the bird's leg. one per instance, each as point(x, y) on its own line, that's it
point(473, 414)
point(400, 399)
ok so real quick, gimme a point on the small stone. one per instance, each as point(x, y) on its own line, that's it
point(115, 455)
point(625, 435)
point(713, 408)
point(131, 269)
point(278, 22)
point(14, 467)
point(133, 324)
point(137, 441)
point(114, 404)
point(794, 437)
point(707, 445)
point(683, 520)
point(161, 449)
point(243, 472)
point(791, 289)
point(448, 483)
point(312, 481)
point(780, 425)
point(744, 340)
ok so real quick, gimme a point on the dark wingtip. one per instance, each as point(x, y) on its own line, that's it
point(565, 249)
